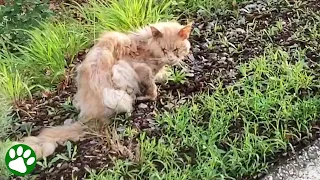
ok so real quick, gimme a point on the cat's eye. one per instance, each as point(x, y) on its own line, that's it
point(176, 50)
point(164, 50)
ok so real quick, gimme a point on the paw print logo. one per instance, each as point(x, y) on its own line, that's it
point(20, 159)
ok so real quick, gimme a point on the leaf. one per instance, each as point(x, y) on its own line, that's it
point(69, 148)
point(53, 161)
point(64, 157)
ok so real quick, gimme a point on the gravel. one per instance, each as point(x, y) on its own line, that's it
point(304, 166)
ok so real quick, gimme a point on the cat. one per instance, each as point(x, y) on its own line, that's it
point(146, 50)
point(118, 70)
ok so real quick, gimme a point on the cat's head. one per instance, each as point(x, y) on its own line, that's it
point(169, 41)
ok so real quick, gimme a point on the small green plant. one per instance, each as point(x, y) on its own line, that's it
point(225, 42)
point(28, 128)
point(177, 76)
point(121, 167)
point(71, 154)
point(21, 14)
point(274, 30)
point(45, 164)
point(196, 32)
point(279, 25)
point(67, 105)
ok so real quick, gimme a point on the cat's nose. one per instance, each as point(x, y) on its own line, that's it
point(171, 57)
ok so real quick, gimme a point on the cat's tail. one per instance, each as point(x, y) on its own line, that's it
point(47, 141)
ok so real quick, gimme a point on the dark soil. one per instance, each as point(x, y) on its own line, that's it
point(219, 45)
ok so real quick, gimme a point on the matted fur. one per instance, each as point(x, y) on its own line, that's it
point(116, 71)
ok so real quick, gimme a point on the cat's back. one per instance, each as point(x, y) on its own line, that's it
point(141, 55)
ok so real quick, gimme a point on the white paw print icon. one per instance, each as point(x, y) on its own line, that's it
point(21, 158)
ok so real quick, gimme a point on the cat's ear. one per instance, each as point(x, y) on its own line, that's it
point(184, 33)
point(155, 32)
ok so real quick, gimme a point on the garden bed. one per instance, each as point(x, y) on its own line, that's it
point(220, 44)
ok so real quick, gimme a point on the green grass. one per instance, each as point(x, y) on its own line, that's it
point(123, 15)
point(177, 76)
point(233, 132)
point(14, 85)
point(53, 47)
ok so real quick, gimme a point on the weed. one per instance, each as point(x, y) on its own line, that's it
point(44, 164)
point(196, 32)
point(177, 76)
point(70, 157)
point(71, 154)
point(121, 167)
point(28, 128)
point(68, 106)
point(274, 30)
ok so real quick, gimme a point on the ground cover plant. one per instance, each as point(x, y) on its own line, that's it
point(247, 96)
point(19, 15)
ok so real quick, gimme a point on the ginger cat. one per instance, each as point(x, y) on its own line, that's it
point(118, 70)
point(144, 53)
